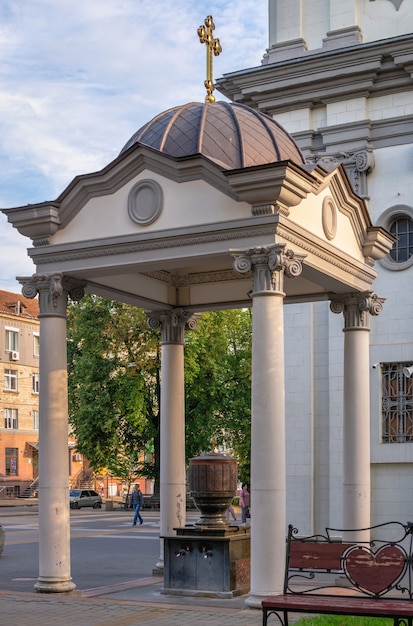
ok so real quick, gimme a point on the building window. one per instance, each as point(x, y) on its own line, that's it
point(402, 229)
point(398, 220)
point(10, 380)
point(11, 418)
point(35, 383)
point(12, 339)
point(397, 404)
point(35, 414)
point(36, 344)
point(12, 455)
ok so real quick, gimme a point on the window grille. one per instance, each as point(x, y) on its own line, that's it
point(397, 404)
point(402, 229)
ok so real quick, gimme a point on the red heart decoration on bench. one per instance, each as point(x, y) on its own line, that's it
point(374, 572)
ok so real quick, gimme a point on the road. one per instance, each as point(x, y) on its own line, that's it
point(105, 548)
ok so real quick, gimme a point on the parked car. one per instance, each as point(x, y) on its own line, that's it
point(84, 497)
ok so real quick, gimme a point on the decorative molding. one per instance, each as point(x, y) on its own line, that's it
point(334, 258)
point(53, 291)
point(329, 218)
point(357, 309)
point(268, 265)
point(173, 324)
point(145, 202)
point(357, 165)
point(108, 248)
point(395, 3)
point(197, 278)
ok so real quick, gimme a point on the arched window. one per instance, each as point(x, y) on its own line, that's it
point(398, 220)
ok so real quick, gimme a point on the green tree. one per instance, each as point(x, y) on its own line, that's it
point(218, 385)
point(113, 364)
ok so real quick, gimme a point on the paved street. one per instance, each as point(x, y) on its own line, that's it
point(112, 564)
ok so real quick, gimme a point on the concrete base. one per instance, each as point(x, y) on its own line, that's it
point(54, 586)
point(209, 562)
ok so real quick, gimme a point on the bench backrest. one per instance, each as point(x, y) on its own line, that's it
point(379, 567)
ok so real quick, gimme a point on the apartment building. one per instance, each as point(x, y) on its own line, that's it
point(19, 396)
point(19, 399)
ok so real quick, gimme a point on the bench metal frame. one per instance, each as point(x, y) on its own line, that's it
point(331, 575)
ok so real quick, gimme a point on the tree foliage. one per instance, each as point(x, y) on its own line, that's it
point(218, 385)
point(114, 386)
point(113, 364)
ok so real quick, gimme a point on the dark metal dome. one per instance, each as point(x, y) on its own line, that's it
point(231, 134)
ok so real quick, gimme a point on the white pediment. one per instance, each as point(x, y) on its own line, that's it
point(160, 232)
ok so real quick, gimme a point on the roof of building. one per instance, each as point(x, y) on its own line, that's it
point(16, 304)
point(231, 134)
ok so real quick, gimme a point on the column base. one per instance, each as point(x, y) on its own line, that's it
point(49, 585)
point(254, 601)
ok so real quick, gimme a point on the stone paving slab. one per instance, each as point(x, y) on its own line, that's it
point(34, 609)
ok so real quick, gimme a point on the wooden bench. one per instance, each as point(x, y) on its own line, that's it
point(332, 574)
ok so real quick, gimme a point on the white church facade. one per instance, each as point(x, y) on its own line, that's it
point(338, 75)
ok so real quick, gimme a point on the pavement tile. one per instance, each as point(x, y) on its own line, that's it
point(45, 610)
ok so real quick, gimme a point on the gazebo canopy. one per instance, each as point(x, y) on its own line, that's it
point(157, 227)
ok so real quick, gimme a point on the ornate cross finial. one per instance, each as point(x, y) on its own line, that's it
point(205, 34)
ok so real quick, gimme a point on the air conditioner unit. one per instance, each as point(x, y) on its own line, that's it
point(14, 356)
point(77, 457)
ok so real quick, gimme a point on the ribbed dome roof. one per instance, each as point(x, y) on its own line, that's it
point(231, 134)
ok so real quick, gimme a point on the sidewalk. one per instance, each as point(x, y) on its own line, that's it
point(137, 603)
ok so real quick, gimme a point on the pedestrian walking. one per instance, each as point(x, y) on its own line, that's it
point(137, 501)
point(244, 502)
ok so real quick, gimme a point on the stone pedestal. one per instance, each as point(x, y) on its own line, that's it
point(201, 561)
point(210, 558)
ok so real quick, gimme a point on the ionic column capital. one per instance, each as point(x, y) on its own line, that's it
point(269, 265)
point(53, 291)
point(357, 309)
point(173, 324)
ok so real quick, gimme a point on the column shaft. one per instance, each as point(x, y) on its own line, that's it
point(268, 488)
point(356, 430)
point(172, 424)
point(268, 474)
point(172, 419)
point(54, 512)
point(357, 309)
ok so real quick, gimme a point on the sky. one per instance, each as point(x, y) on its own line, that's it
point(79, 77)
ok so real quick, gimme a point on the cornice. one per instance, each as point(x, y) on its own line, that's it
point(325, 252)
point(373, 68)
point(163, 240)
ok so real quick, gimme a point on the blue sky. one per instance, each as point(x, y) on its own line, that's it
point(79, 77)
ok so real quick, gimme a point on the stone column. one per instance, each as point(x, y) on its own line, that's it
point(54, 512)
point(357, 309)
point(172, 419)
point(268, 265)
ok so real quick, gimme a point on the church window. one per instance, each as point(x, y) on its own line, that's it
point(398, 220)
point(402, 230)
point(397, 403)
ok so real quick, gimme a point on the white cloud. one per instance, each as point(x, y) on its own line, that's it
point(77, 79)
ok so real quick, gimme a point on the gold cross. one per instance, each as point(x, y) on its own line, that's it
point(205, 34)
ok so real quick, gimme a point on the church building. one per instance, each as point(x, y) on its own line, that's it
point(338, 75)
